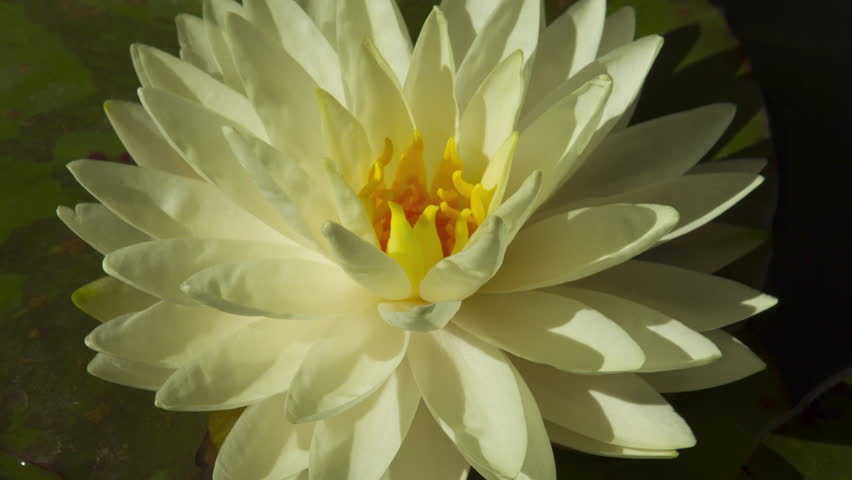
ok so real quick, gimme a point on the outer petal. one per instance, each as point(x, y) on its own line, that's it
point(539, 463)
point(552, 329)
point(465, 19)
point(194, 46)
point(417, 317)
point(619, 30)
point(361, 442)
point(280, 288)
point(263, 444)
point(379, 21)
point(345, 139)
point(426, 453)
point(143, 140)
point(99, 227)
point(165, 334)
point(565, 248)
point(214, 13)
point(562, 436)
point(700, 301)
point(256, 363)
point(620, 408)
point(708, 249)
point(667, 343)
point(340, 371)
point(324, 15)
point(737, 362)
point(470, 388)
point(168, 206)
point(567, 45)
point(107, 298)
point(744, 165)
point(128, 373)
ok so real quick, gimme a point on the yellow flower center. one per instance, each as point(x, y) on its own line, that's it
point(419, 222)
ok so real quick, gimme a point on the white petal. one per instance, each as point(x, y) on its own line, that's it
point(214, 13)
point(168, 206)
point(578, 244)
point(567, 45)
point(426, 453)
point(143, 140)
point(619, 408)
point(283, 94)
point(489, 117)
point(552, 329)
point(107, 298)
point(128, 373)
point(340, 371)
point(99, 227)
point(263, 444)
point(361, 442)
point(372, 268)
point(470, 388)
point(709, 248)
point(562, 436)
point(418, 317)
point(745, 165)
point(667, 343)
point(651, 152)
point(166, 72)
point(196, 132)
point(513, 25)
point(346, 139)
point(379, 21)
point(165, 334)
point(350, 208)
point(324, 15)
point(737, 362)
point(378, 102)
point(159, 267)
point(458, 276)
point(194, 46)
point(257, 362)
point(700, 301)
point(280, 288)
point(497, 171)
point(301, 38)
point(619, 30)
point(539, 463)
point(429, 89)
point(465, 19)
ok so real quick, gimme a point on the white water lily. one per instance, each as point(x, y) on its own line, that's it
point(407, 260)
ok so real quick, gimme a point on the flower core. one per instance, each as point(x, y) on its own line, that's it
point(417, 221)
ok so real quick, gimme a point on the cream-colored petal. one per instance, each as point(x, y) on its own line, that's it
point(379, 21)
point(552, 329)
point(350, 209)
point(429, 89)
point(556, 139)
point(667, 343)
point(497, 171)
point(567, 45)
point(460, 275)
point(701, 302)
point(99, 227)
point(346, 140)
point(566, 438)
point(159, 267)
point(342, 370)
point(302, 39)
point(489, 117)
point(539, 463)
point(470, 388)
point(465, 19)
point(168, 206)
point(324, 15)
point(361, 442)
point(426, 453)
point(737, 362)
point(214, 14)
point(107, 298)
point(578, 244)
point(194, 46)
point(143, 140)
point(651, 152)
point(282, 92)
point(372, 268)
point(165, 334)
point(279, 288)
point(512, 26)
point(744, 165)
point(255, 363)
point(196, 132)
point(168, 73)
point(378, 102)
point(128, 373)
point(418, 317)
point(709, 248)
point(620, 408)
point(263, 444)
point(619, 30)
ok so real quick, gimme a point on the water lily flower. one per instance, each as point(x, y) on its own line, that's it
point(409, 259)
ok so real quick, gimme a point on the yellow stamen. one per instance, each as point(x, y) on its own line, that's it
point(450, 162)
point(464, 188)
point(418, 248)
point(462, 235)
point(480, 198)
